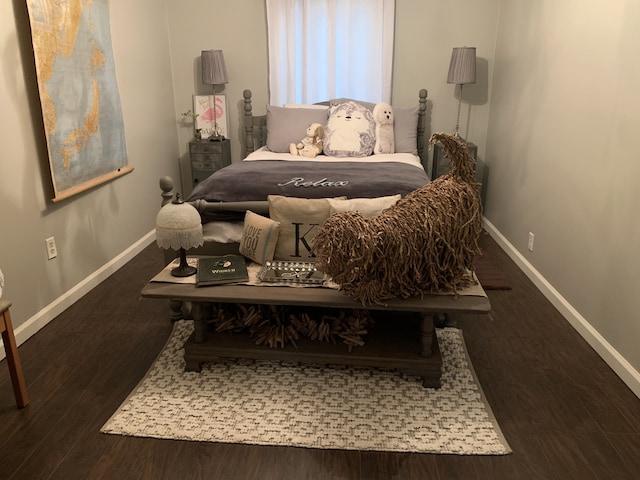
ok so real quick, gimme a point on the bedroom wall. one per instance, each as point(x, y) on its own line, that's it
point(94, 228)
point(564, 162)
point(423, 44)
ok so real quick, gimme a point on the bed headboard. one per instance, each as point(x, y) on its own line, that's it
point(255, 126)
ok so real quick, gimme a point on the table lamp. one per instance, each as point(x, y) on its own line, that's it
point(178, 226)
point(462, 71)
point(214, 72)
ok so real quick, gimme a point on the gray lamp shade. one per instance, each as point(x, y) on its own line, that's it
point(462, 68)
point(178, 225)
point(214, 70)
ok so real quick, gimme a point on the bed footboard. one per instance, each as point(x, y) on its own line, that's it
point(167, 185)
point(205, 207)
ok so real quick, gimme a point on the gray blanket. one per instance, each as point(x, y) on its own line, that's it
point(245, 181)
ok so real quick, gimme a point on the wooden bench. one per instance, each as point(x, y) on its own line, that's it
point(402, 341)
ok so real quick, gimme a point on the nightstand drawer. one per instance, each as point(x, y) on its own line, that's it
point(205, 146)
point(208, 157)
point(204, 161)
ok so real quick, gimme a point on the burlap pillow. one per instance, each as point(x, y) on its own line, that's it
point(259, 237)
point(299, 221)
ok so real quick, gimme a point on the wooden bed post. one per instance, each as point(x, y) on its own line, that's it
point(422, 120)
point(166, 185)
point(248, 123)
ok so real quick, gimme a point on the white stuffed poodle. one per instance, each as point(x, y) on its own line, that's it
point(385, 140)
point(311, 145)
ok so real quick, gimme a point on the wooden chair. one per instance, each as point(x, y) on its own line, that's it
point(13, 359)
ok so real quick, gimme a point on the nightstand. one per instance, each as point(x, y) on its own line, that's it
point(208, 156)
point(441, 165)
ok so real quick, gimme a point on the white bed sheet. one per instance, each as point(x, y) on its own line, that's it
point(264, 153)
point(223, 232)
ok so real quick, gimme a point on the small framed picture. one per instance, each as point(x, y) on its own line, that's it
point(211, 111)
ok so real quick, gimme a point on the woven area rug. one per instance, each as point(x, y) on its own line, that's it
point(337, 407)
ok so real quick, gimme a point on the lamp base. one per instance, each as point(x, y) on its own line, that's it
point(184, 269)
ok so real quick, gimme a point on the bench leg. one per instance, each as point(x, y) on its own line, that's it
point(426, 335)
point(13, 359)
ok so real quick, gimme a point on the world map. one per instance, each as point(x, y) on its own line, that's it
point(79, 95)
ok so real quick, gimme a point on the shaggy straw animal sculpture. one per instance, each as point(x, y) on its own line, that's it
point(425, 243)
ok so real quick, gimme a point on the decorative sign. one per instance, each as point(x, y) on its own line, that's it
point(78, 93)
point(211, 111)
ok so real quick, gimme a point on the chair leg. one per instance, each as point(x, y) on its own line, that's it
point(13, 359)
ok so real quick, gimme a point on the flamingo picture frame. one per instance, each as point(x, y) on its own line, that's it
point(211, 111)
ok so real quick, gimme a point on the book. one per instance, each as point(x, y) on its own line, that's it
point(221, 269)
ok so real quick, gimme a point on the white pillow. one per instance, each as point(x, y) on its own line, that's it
point(367, 207)
point(306, 105)
point(299, 220)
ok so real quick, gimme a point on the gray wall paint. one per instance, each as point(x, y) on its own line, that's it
point(563, 157)
point(423, 43)
point(92, 228)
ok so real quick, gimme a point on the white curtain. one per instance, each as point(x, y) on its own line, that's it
point(323, 49)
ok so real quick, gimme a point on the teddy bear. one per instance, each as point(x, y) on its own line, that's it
point(311, 145)
point(383, 116)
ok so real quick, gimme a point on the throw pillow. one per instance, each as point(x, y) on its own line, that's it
point(350, 131)
point(368, 207)
point(405, 125)
point(299, 220)
point(259, 237)
point(405, 130)
point(288, 125)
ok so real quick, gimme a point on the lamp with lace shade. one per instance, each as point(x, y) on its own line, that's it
point(178, 226)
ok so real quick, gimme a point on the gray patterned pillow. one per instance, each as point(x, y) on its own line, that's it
point(350, 131)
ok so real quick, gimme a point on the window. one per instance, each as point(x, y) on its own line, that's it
point(323, 49)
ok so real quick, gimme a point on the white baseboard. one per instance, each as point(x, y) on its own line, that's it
point(610, 355)
point(55, 308)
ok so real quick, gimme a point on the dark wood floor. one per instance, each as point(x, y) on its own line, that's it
point(564, 412)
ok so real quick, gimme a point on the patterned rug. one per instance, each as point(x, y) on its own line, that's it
point(336, 407)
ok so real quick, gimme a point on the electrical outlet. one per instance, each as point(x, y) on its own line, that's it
point(530, 244)
point(52, 251)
